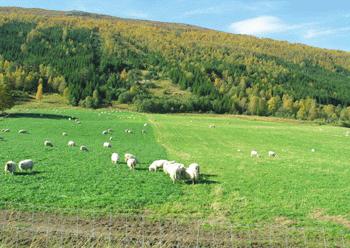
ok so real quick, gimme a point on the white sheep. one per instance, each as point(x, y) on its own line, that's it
point(10, 167)
point(254, 154)
point(110, 138)
point(84, 149)
point(272, 154)
point(6, 130)
point(107, 145)
point(313, 150)
point(158, 164)
point(27, 164)
point(192, 172)
point(212, 126)
point(71, 143)
point(48, 143)
point(109, 130)
point(129, 156)
point(131, 163)
point(105, 132)
point(22, 131)
point(143, 131)
point(64, 134)
point(145, 125)
point(174, 170)
point(115, 158)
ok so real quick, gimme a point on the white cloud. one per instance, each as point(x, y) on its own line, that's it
point(261, 25)
point(315, 33)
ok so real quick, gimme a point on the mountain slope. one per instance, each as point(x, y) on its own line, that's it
point(95, 59)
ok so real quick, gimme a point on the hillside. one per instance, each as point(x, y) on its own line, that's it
point(94, 60)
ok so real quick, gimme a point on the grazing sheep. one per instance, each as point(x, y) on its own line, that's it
point(254, 154)
point(109, 130)
point(115, 158)
point(10, 167)
point(143, 131)
point(69, 119)
point(131, 163)
point(272, 154)
point(78, 122)
point(128, 156)
point(25, 165)
point(105, 132)
point(107, 145)
point(313, 150)
point(64, 134)
point(212, 126)
point(174, 170)
point(145, 125)
point(22, 131)
point(6, 130)
point(84, 149)
point(158, 164)
point(238, 150)
point(110, 138)
point(71, 143)
point(192, 172)
point(48, 143)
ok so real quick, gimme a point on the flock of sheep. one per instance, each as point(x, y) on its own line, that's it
point(175, 170)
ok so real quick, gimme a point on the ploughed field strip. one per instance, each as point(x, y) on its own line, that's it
point(38, 229)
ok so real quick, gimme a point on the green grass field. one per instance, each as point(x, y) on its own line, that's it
point(298, 188)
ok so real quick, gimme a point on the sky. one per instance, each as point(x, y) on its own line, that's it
point(320, 23)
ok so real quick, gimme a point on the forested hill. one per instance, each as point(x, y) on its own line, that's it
point(94, 60)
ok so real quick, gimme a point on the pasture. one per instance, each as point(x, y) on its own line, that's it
point(297, 188)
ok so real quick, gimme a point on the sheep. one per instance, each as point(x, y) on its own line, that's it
point(157, 165)
point(128, 131)
point(145, 125)
point(109, 130)
point(27, 164)
point(313, 150)
point(192, 172)
point(6, 130)
point(105, 132)
point(129, 156)
point(71, 143)
point(272, 154)
point(22, 131)
point(64, 134)
point(115, 158)
point(84, 149)
point(143, 131)
point(48, 143)
point(254, 153)
point(107, 145)
point(10, 167)
point(212, 126)
point(174, 170)
point(110, 138)
point(131, 162)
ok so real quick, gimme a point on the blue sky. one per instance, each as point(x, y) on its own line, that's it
point(320, 23)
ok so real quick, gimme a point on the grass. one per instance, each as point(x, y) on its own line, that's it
point(298, 188)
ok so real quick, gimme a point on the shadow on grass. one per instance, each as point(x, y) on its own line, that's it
point(38, 116)
point(32, 173)
point(204, 179)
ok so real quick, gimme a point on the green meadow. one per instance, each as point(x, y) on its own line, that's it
point(298, 187)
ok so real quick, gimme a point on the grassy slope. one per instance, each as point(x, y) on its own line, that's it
point(292, 188)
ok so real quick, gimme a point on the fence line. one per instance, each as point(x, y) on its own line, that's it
point(36, 228)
